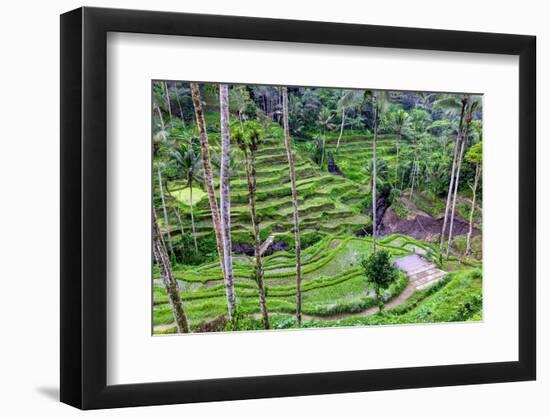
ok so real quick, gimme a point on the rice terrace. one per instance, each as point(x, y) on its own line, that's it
point(295, 207)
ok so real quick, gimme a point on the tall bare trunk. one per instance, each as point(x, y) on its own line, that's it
point(192, 216)
point(451, 181)
point(374, 179)
point(413, 179)
point(170, 283)
point(470, 229)
point(208, 179)
point(258, 270)
point(323, 150)
point(225, 197)
point(180, 222)
point(182, 230)
point(455, 192)
point(341, 127)
point(165, 213)
point(167, 99)
point(295, 213)
point(397, 140)
point(180, 110)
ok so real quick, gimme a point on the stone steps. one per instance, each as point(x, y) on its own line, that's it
point(422, 273)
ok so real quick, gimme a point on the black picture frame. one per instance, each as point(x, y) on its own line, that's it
point(84, 207)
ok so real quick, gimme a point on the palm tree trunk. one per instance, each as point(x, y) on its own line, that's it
point(208, 179)
point(295, 213)
point(341, 127)
point(168, 279)
point(225, 197)
point(413, 180)
point(468, 238)
point(179, 103)
point(165, 213)
point(457, 180)
point(451, 182)
point(182, 231)
point(160, 118)
point(167, 98)
point(192, 215)
point(397, 140)
point(323, 150)
point(258, 270)
point(374, 179)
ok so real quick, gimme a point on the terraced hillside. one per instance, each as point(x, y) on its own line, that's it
point(322, 197)
point(333, 285)
point(353, 154)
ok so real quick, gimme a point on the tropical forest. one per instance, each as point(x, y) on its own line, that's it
point(284, 207)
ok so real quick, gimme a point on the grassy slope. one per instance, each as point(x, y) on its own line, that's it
point(333, 282)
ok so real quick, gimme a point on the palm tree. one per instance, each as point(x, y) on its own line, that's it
point(189, 164)
point(472, 104)
point(167, 98)
point(349, 100)
point(356, 122)
point(161, 135)
point(180, 110)
point(295, 213)
point(325, 123)
point(398, 121)
point(473, 156)
point(165, 210)
point(379, 104)
point(452, 103)
point(239, 99)
point(225, 197)
point(209, 182)
point(248, 143)
point(170, 283)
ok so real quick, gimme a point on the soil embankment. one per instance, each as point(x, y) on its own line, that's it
point(419, 226)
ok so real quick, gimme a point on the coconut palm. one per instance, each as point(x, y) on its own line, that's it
point(454, 104)
point(473, 156)
point(167, 98)
point(248, 141)
point(379, 103)
point(239, 100)
point(471, 106)
point(178, 102)
point(160, 135)
point(209, 183)
point(350, 99)
point(165, 209)
point(168, 280)
point(324, 121)
point(225, 197)
point(398, 121)
point(356, 122)
point(295, 213)
point(188, 162)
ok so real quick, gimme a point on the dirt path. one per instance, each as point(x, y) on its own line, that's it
point(394, 302)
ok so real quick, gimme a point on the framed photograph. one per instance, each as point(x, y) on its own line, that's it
point(257, 208)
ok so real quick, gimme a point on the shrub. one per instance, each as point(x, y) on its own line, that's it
point(380, 272)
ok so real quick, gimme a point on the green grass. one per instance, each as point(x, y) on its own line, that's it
point(184, 195)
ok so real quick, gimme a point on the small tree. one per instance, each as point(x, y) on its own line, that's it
point(380, 273)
